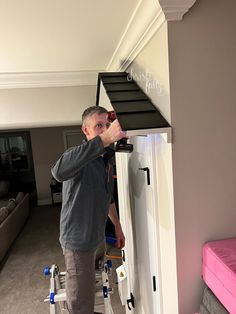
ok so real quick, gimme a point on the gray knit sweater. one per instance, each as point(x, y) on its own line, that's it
point(86, 173)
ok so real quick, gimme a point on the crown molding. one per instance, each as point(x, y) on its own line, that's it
point(174, 10)
point(47, 79)
point(38, 124)
point(147, 18)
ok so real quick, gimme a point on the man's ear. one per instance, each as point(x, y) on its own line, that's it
point(85, 130)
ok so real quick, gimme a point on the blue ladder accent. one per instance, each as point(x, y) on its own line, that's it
point(47, 271)
point(105, 292)
point(52, 295)
point(111, 240)
point(109, 263)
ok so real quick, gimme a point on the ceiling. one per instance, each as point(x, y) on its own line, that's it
point(63, 35)
point(67, 42)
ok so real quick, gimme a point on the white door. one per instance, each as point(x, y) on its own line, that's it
point(140, 220)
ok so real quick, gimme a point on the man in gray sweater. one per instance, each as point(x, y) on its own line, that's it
point(86, 173)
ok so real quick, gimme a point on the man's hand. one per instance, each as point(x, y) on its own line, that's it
point(120, 238)
point(112, 134)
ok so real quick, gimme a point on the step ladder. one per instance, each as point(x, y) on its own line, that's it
point(57, 293)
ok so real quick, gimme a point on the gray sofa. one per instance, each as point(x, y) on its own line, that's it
point(13, 215)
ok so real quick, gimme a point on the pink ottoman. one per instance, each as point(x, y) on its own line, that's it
point(219, 271)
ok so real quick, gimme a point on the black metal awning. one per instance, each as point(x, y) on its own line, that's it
point(134, 110)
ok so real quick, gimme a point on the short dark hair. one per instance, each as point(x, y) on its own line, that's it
point(91, 110)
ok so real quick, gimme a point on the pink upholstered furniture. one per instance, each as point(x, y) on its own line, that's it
point(219, 271)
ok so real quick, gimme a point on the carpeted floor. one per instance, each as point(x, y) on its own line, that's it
point(23, 286)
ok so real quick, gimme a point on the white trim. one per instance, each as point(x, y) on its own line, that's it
point(123, 188)
point(131, 41)
point(41, 124)
point(144, 39)
point(147, 18)
point(162, 131)
point(47, 79)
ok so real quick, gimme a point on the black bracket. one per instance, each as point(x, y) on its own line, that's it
point(123, 146)
point(154, 283)
point(146, 169)
point(130, 301)
point(123, 255)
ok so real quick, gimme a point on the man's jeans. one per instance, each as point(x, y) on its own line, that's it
point(80, 279)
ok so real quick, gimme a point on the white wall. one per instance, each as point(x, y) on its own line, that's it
point(39, 107)
point(202, 50)
point(151, 71)
point(44, 111)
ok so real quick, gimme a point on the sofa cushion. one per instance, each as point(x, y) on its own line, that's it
point(3, 213)
point(3, 203)
point(12, 199)
point(10, 206)
point(4, 188)
point(19, 197)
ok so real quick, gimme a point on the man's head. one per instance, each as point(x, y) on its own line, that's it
point(94, 121)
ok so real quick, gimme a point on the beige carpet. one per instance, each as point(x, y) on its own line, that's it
point(22, 283)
